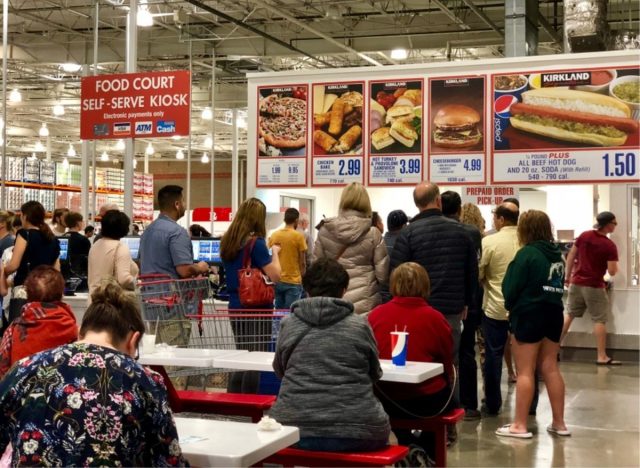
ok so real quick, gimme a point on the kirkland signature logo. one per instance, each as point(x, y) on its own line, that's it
point(144, 128)
point(166, 126)
point(122, 128)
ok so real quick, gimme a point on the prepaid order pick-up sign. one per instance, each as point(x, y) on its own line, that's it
point(491, 195)
point(135, 105)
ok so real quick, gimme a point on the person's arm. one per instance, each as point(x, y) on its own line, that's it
point(612, 267)
point(4, 287)
point(18, 251)
point(375, 370)
point(471, 277)
point(381, 260)
point(281, 355)
point(56, 264)
point(318, 249)
point(273, 269)
point(444, 338)
point(182, 256)
point(302, 255)
point(123, 261)
point(5, 351)
point(571, 259)
point(485, 259)
point(515, 280)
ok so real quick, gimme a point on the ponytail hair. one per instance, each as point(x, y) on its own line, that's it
point(35, 213)
point(113, 310)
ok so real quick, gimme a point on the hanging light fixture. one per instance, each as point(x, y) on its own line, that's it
point(15, 96)
point(65, 163)
point(33, 156)
point(70, 67)
point(120, 145)
point(58, 110)
point(104, 157)
point(399, 54)
point(205, 158)
point(149, 149)
point(39, 147)
point(207, 114)
point(176, 137)
point(179, 154)
point(144, 18)
point(71, 152)
point(44, 131)
point(208, 142)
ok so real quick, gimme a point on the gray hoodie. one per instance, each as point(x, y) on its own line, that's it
point(327, 377)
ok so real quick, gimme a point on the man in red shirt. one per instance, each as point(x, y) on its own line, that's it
point(592, 255)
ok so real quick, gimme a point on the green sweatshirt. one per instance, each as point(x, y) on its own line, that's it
point(534, 280)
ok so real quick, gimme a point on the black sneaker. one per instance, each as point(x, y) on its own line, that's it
point(472, 415)
point(485, 411)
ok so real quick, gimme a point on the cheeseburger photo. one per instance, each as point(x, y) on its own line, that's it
point(576, 116)
point(457, 126)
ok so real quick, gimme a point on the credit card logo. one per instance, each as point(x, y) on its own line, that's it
point(101, 129)
point(166, 126)
point(144, 128)
point(122, 128)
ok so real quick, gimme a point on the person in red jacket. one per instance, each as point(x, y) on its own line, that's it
point(429, 340)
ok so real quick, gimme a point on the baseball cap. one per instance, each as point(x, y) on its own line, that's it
point(397, 219)
point(604, 218)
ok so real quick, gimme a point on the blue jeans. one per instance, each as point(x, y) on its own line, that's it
point(495, 338)
point(340, 444)
point(287, 294)
point(455, 322)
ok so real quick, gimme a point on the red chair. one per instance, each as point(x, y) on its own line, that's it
point(235, 404)
point(298, 457)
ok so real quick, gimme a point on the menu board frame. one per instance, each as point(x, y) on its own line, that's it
point(558, 154)
point(345, 158)
point(282, 162)
point(396, 155)
point(484, 125)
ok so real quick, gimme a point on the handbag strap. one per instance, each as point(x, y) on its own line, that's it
point(246, 254)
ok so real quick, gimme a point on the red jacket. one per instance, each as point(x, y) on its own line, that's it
point(429, 340)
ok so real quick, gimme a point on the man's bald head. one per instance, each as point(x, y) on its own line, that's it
point(426, 195)
point(506, 214)
point(108, 207)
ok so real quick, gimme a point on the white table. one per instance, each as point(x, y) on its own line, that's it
point(186, 357)
point(413, 372)
point(209, 442)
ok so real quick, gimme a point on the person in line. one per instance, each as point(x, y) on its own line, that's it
point(198, 231)
point(472, 330)
point(89, 232)
point(376, 221)
point(468, 378)
point(135, 230)
point(7, 239)
point(248, 225)
point(497, 252)
point(292, 260)
point(90, 402)
point(111, 258)
point(532, 289)
point(101, 212)
point(592, 255)
point(35, 245)
point(350, 239)
point(429, 340)
point(396, 221)
point(328, 361)
point(79, 245)
point(45, 321)
point(58, 225)
point(445, 250)
point(303, 228)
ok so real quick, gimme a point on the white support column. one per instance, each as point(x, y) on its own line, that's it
point(188, 190)
point(131, 64)
point(212, 169)
point(235, 174)
point(5, 34)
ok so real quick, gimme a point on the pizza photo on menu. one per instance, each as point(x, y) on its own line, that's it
point(282, 121)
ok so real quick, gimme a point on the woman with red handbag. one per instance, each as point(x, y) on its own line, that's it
point(251, 272)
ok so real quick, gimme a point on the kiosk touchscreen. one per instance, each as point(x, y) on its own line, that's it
point(64, 248)
point(133, 242)
point(206, 250)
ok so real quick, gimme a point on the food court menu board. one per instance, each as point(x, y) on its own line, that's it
point(576, 125)
point(395, 132)
point(282, 136)
point(338, 110)
point(457, 130)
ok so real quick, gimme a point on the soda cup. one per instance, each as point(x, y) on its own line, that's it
point(399, 348)
point(503, 99)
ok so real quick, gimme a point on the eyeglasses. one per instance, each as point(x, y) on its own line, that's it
point(615, 223)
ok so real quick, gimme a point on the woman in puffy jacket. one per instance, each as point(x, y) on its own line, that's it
point(358, 246)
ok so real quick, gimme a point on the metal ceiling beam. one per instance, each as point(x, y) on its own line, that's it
point(548, 28)
point(483, 16)
point(58, 26)
point(451, 15)
point(293, 20)
point(248, 27)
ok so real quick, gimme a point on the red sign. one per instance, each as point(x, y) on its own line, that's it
point(135, 105)
point(203, 215)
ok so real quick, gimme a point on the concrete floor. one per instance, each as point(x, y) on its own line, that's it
point(602, 411)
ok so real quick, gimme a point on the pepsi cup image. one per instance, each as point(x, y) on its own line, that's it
point(399, 340)
point(507, 90)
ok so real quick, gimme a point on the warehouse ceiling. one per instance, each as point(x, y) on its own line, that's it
point(237, 37)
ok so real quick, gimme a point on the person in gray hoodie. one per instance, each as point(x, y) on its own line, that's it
point(327, 359)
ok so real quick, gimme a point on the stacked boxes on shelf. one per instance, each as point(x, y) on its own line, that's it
point(31, 171)
point(115, 179)
point(148, 186)
point(70, 175)
point(15, 198)
point(101, 178)
point(15, 169)
point(143, 208)
point(47, 172)
point(47, 198)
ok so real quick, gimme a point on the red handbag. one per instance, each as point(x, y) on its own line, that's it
point(254, 287)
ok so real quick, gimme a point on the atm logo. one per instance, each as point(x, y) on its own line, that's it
point(166, 126)
point(144, 128)
point(122, 128)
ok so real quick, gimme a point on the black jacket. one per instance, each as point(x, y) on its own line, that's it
point(445, 249)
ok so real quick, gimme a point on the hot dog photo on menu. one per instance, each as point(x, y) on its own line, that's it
point(337, 119)
point(567, 109)
point(395, 117)
point(282, 121)
point(456, 113)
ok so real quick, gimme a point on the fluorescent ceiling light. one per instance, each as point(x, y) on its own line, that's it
point(241, 122)
point(207, 114)
point(149, 149)
point(58, 109)
point(71, 67)
point(205, 158)
point(39, 146)
point(208, 142)
point(120, 146)
point(15, 96)
point(33, 156)
point(71, 152)
point(104, 157)
point(176, 137)
point(144, 18)
point(44, 131)
point(399, 54)
point(179, 154)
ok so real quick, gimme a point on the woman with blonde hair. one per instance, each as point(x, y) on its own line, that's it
point(532, 289)
point(246, 236)
point(471, 215)
point(358, 246)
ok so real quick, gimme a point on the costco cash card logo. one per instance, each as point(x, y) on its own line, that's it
point(144, 128)
point(166, 126)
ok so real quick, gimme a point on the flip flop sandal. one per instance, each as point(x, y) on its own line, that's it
point(610, 362)
point(558, 432)
point(505, 431)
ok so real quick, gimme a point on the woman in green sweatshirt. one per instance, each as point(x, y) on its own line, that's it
point(532, 289)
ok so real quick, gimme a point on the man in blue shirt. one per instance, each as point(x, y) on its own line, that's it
point(165, 246)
